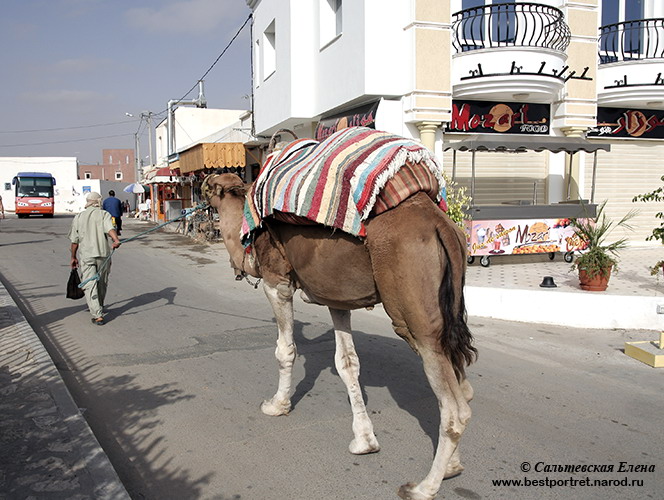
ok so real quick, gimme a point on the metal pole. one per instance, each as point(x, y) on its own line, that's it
point(592, 188)
point(472, 178)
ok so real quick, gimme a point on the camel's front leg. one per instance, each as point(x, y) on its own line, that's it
point(281, 299)
point(348, 366)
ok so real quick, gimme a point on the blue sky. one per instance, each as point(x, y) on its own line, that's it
point(80, 65)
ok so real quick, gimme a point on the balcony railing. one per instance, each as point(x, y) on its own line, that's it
point(510, 25)
point(631, 40)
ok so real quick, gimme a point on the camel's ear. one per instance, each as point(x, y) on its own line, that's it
point(237, 190)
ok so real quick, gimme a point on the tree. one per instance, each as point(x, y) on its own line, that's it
point(657, 232)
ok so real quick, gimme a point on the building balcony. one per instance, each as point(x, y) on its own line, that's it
point(631, 64)
point(510, 52)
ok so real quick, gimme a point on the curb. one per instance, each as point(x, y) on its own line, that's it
point(47, 447)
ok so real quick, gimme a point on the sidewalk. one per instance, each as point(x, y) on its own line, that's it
point(47, 449)
point(509, 289)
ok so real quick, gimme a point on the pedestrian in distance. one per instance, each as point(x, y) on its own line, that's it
point(114, 207)
point(89, 235)
point(2, 207)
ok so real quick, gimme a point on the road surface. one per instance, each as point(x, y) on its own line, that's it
point(171, 387)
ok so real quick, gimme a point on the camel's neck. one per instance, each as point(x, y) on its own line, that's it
point(230, 222)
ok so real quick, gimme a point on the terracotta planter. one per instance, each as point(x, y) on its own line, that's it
point(599, 283)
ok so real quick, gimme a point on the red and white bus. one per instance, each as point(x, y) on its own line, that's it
point(34, 194)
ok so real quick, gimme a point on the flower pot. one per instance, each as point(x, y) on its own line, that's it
point(598, 283)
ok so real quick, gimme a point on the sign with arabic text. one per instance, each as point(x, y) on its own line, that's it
point(500, 117)
point(625, 122)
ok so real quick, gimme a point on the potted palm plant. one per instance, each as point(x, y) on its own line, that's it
point(599, 257)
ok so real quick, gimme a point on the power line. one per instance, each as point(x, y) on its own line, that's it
point(64, 128)
point(217, 59)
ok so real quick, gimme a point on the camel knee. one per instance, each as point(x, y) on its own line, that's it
point(285, 354)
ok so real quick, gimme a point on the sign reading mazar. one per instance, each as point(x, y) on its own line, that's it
point(622, 122)
point(501, 118)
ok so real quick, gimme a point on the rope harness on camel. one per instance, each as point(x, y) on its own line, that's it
point(185, 213)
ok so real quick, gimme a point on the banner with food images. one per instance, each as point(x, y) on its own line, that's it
point(522, 236)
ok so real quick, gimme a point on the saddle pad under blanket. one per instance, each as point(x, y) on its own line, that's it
point(334, 182)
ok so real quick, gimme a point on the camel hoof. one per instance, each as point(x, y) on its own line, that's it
point(407, 492)
point(364, 446)
point(453, 470)
point(269, 407)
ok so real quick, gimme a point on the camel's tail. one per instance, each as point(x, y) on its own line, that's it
point(457, 341)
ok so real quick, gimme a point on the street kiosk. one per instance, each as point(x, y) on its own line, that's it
point(524, 226)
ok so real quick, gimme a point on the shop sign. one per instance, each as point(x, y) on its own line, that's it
point(622, 122)
point(364, 116)
point(501, 118)
point(521, 237)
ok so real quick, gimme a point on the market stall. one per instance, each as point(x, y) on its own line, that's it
point(525, 226)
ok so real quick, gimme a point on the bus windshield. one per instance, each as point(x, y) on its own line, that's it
point(34, 186)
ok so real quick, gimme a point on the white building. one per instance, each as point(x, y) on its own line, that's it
point(435, 70)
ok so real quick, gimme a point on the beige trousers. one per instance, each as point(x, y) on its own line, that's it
point(95, 290)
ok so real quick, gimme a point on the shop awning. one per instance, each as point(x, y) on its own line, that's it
point(212, 155)
point(490, 142)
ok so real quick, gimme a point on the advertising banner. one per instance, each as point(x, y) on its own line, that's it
point(522, 236)
point(364, 116)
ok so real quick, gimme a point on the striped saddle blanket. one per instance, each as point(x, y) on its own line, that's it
point(340, 182)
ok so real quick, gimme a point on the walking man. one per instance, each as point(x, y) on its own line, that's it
point(114, 207)
point(89, 235)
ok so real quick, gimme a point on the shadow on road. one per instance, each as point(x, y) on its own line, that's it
point(384, 362)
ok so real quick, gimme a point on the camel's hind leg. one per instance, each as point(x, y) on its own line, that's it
point(281, 299)
point(420, 280)
point(454, 416)
point(348, 366)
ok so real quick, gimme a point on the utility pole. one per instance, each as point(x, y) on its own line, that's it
point(137, 159)
point(148, 118)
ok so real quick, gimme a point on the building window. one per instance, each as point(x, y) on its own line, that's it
point(118, 176)
point(110, 158)
point(269, 51)
point(331, 20)
point(127, 160)
point(87, 175)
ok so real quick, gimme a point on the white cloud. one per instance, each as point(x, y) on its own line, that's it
point(66, 97)
point(79, 65)
point(190, 17)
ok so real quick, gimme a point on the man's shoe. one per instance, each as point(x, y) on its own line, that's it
point(97, 321)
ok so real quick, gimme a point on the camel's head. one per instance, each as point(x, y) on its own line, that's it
point(218, 185)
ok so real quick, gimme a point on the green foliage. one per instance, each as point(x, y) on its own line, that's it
point(594, 231)
point(656, 195)
point(458, 201)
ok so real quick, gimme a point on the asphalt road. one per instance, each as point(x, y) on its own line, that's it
point(171, 387)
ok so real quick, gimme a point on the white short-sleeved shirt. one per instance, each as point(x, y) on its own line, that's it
point(89, 230)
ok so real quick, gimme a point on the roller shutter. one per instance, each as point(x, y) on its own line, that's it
point(631, 167)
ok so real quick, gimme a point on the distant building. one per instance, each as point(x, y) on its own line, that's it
point(117, 165)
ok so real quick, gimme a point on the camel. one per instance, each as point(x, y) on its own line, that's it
point(412, 260)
